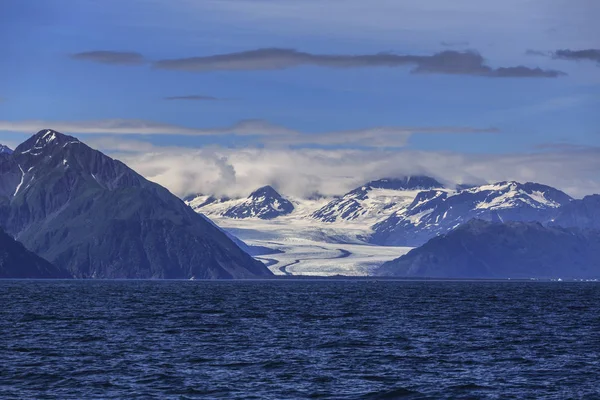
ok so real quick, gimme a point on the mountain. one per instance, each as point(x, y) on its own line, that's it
point(263, 203)
point(483, 249)
point(94, 216)
point(5, 149)
point(376, 198)
point(16, 262)
point(436, 212)
point(584, 213)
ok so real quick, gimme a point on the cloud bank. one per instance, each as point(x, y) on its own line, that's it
point(193, 97)
point(302, 172)
point(578, 55)
point(110, 57)
point(570, 55)
point(256, 131)
point(143, 127)
point(445, 62)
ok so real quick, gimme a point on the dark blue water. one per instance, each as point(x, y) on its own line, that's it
point(299, 339)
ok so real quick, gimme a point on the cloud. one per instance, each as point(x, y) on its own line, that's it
point(193, 97)
point(143, 127)
point(110, 57)
point(301, 172)
point(446, 62)
point(530, 52)
point(571, 55)
point(454, 44)
point(384, 136)
point(227, 175)
point(257, 131)
point(578, 55)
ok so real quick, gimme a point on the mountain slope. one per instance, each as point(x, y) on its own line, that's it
point(98, 218)
point(436, 212)
point(375, 198)
point(16, 262)
point(482, 249)
point(263, 203)
point(584, 213)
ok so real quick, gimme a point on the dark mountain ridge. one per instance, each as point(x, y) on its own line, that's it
point(84, 211)
point(484, 249)
point(583, 213)
point(16, 262)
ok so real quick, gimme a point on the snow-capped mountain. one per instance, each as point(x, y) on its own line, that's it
point(436, 212)
point(375, 199)
point(210, 204)
point(263, 203)
point(396, 213)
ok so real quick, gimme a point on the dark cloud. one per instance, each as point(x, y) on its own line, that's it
point(446, 62)
point(193, 97)
point(454, 44)
point(110, 57)
point(538, 53)
point(566, 54)
point(588, 54)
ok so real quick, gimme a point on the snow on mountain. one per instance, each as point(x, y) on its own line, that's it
point(210, 205)
point(375, 200)
point(436, 212)
point(376, 222)
point(263, 203)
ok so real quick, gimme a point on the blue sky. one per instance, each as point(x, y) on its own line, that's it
point(51, 76)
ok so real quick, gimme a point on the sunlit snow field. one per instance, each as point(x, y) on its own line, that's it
point(310, 247)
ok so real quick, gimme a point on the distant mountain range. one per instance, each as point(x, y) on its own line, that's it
point(498, 230)
point(376, 198)
point(436, 212)
point(409, 211)
point(97, 218)
point(483, 249)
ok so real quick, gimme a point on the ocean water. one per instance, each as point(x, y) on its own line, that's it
point(299, 339)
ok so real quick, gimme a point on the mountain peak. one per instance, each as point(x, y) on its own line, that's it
point(267, 191)
point(44, 138)
point(375, 198)
point(263, 203)
point(5, 149)
point(413, 182)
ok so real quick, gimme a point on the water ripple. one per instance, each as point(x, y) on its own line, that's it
point(299, 339)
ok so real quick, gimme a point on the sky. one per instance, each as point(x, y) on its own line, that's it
point(223, 96)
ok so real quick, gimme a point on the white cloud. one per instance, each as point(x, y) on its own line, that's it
point(236, 172)
point(257, 130)
point(143, 127)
